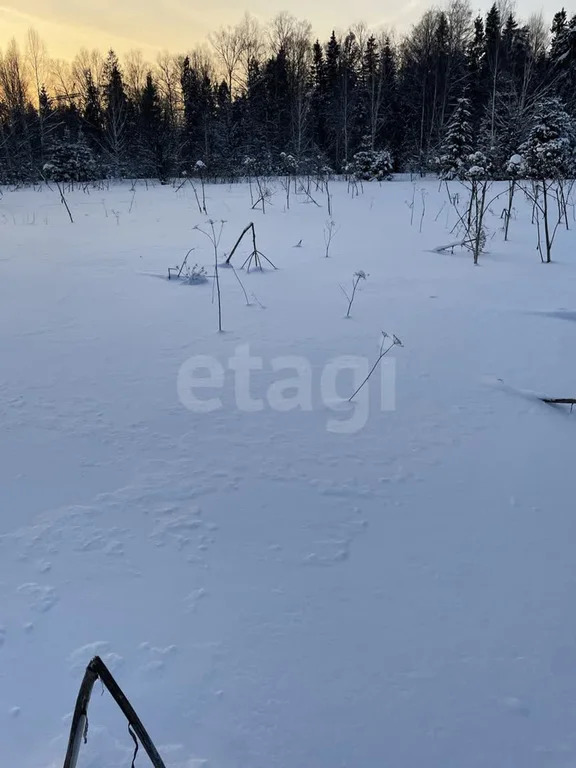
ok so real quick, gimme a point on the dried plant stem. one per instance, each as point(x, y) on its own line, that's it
point(383, 352)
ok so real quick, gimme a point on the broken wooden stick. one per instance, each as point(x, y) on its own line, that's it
point(255, 255)
point(571, 401)
point(466, 243)
point(95, 670)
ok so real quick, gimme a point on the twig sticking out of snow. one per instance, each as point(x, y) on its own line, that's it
point(214, 238)
point(394, 343)
point(79, 728)
point(330, 229)
point(360, 275)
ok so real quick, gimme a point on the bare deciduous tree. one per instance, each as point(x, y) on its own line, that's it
point(252, 47)
point(135, 70)
point(13, 82)
point(229, 48)
point(168, 78)
point(36, 59)
point(85, 62)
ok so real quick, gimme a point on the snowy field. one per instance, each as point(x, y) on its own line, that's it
point(385, 583)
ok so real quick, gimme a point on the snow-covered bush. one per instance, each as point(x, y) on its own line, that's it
point(549, 150)
point(513, 171)
point(288, 165)
point(476, 167)
point(474, 171)
point(70, 160)
point(370, 164)
point(548, 160)
point(515, 166)
point(262, 165)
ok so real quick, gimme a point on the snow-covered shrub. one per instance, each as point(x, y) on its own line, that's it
point(262, 165)
point(548, 160)
point(515, 166)
point(476, 174)
point(549, 150)
point(288, 165)
point(476, 167)
point(370, 164)
point(513, 171)
point(70, 160)
point(474, 171)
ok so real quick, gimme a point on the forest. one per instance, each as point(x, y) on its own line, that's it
point(273, 99)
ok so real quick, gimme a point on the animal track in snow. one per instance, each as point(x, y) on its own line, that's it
point(337, 548)
point(171, 525)
point(42, 599)
point(155, 658)
point(343, 490)
point(328, 553)
point(193, 599)
point(79, 659)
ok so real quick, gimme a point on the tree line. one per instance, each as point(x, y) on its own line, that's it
point(271, 100)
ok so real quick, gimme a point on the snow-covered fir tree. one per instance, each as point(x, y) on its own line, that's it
point(549, 151)
point(370, 164)
point(457, 145)
point(70, 160)
point(548, 159)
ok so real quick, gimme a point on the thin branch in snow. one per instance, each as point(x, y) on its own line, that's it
point(383, 352)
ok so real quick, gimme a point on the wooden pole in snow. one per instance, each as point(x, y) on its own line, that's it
point(94, 671)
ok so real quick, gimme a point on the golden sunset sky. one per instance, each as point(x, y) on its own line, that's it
point(177, 25)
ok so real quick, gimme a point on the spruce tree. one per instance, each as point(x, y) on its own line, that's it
point(116, 117)
point(92, 114)
point(457, 145)
point(155, 145)
point(548, 153)
point(548, 159)
point(70, 159)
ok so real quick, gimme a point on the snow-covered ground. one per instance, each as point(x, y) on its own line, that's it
point(385, 583)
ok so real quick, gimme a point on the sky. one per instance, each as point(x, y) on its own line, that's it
point(178, 25)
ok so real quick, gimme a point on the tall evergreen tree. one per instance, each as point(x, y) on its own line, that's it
point(457, 145)
point(156, 158)
point(116, 117)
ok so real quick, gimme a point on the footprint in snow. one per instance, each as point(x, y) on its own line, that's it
point(42, 599)
point(79, 659)
point(155, 657)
